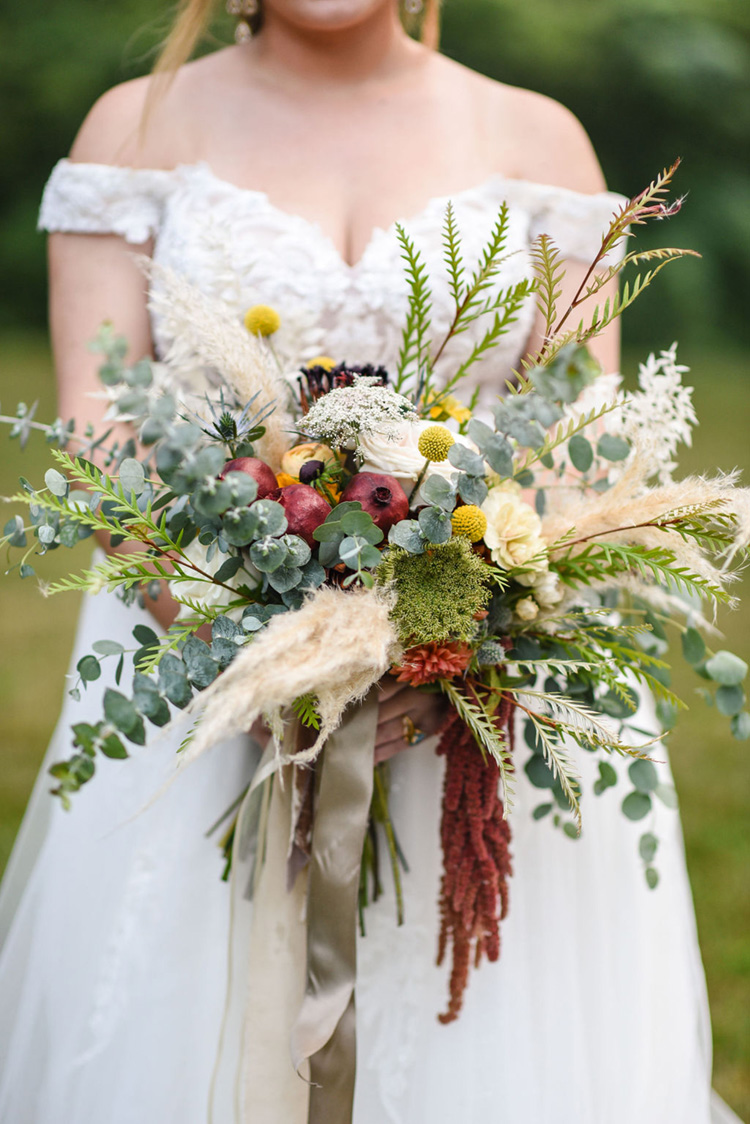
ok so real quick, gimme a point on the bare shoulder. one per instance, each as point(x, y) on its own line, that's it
point(532, 136)
point(136, 124)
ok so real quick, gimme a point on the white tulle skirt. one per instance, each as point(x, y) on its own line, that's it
point(113, 969)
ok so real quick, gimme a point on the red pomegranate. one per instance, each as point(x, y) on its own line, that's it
point(261, 473)
point(305, 509)
point(381, 496)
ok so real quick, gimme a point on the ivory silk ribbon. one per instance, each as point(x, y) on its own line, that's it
point(292, 964)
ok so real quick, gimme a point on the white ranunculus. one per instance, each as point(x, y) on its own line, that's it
point(514, 530)
point(545, 585)
point(399, 455)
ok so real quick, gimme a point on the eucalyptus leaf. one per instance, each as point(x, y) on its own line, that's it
point(228, 568)
point(108, 648)
point(112, 747)
point(636, 805)
point(268, 554)
point(122, 714)
point(539, 772)
point(356, 522)
point(499, 455)
point(541, 811)
point(132, 476)
point(580, 452)
point(666, 794)
point(298, 552)
point(89, 669)
point(148, 701)
point(435, 524)
point(730, 700)
point(643, 775)
point(693, 646)
point(438, 491)
point(239, 526)
point(284, 578)
point(56, 482)
point(726, 668)
point(612, 448)
point(466, 460)
point(408, 535)
point(213, 497)
point(243, 488)
point(647, 846)
point(740, 726)
point(202, 669)
point(472, 489)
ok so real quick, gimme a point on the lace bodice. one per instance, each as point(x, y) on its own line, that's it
point(234, 244)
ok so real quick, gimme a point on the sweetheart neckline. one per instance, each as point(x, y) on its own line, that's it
point(496, 179)
point(317, 228)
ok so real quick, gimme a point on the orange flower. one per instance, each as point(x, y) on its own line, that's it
point(283, 479)
point(427, 662)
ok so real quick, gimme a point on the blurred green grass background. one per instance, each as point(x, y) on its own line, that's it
point(711, 768)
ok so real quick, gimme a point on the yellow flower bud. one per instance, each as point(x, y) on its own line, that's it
point(469, 521)
point(262, 320)
point(283, 479)
point(323, 361)
point(435, 442)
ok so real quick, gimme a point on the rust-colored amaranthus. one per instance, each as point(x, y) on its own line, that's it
point(476, 859)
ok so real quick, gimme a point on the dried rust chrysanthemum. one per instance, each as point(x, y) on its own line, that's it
point(426, 663)
point(476, 860)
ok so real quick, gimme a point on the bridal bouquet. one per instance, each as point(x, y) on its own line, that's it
point(324, 526)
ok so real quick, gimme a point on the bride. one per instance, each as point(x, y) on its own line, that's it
point(272, 172)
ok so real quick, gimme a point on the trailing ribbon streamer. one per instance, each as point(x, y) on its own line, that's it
point(325, 1030)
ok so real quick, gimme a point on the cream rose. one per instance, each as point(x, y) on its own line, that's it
point(514, 530)
point(399, 456)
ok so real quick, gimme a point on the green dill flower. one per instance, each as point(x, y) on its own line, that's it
point(438, 593)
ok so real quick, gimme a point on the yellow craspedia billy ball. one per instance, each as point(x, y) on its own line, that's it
point(323, 361)
point(262, 320)
point(435, 442)
point(469, 521)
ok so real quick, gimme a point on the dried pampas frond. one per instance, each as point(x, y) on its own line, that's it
point(203, 331)
point(336, 646)
point(632, 513)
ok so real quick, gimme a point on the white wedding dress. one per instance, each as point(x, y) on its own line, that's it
point(115, 919)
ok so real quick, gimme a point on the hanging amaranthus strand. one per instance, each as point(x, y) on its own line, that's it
point(476, 860)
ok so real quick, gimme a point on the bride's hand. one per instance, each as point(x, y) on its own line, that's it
point(397, 701)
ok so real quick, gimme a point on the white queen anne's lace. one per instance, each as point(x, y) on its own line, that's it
point(339, 417)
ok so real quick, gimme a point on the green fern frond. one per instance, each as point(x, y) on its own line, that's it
point(414, 351)
point(452, 254)
point(305, 708)
point(486, 734)
point(549, 272)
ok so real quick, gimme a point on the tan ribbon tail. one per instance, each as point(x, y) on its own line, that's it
point(324, 1031)
point(254, 1081)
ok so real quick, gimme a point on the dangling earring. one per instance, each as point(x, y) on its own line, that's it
point(247, 13)
point(413, 7)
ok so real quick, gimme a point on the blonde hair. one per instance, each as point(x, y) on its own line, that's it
point(193, 17)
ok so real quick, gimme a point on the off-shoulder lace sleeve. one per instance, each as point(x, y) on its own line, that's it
point(575, 222)
point(104, 199)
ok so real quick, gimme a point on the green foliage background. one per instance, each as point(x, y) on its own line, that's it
point(651, 80)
